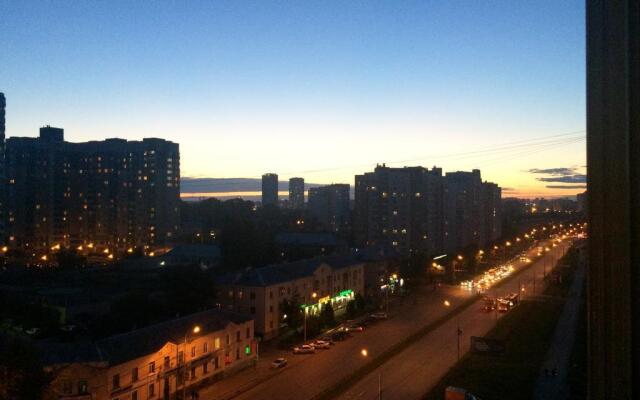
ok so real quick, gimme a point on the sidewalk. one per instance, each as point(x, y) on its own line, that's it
point(548, 386)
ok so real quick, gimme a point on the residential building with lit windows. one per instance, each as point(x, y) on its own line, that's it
point(463, 209)
point(98, 197)
point(330, 205)
point(401, 207)
point(270, 189)
point(259, 292)
point(472, 210)
point(296, 193)
point(3, 104)
point(156, 362)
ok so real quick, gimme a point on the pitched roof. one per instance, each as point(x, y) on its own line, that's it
point(278, 273)
point(140, 342)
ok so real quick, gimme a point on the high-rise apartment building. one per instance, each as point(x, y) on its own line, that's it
point(400, 206)
point(270, 189)
point(108, 196)
point(491, 228)
point(330, 205)
point(463, 209)
point(296, 193)
point(418, 210)
point(3, 104)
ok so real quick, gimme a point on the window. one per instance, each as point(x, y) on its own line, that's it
point(253, 310)
point(180, 357)
point(216, 362)
point(134, 395)
point(193, 373)
point(252, 296)
point(115, 381)
point(270, 308)
point(205, 368)
point(193, 351)
point(228, 339)
point(205, 347)
point(67, 387)
point(134, 374)
point(248, 332)
point(237, 354)
point(152, 390)
point(216, 343)
point(270, 324)
point(152, 367)
point(83, 388)
point(238, 336)
point(167, 362)
point(271, 295)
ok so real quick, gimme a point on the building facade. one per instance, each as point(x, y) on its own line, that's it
point(259, 293)
point(296, 193)
point(157, 362)
point(270, 189)
point(3, 104)
point(330, 205)
point(420, 211)
point(463, 209)
point(401, 207)
point(100, 197)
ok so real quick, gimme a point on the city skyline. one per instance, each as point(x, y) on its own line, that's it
point(239, 91)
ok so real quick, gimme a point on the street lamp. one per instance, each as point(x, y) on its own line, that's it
point(195, 330)
point(365, 353)
point(313, 296)
point(447, 303)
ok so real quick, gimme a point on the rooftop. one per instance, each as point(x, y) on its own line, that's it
point(140, 342)
point(278, 273)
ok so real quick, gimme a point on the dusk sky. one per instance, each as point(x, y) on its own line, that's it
point(317, 89)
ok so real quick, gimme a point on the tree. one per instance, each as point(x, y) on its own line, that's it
point(291, 308)
point(24, 375)
point(327, 316)
point(352, 309)
point(360, 303)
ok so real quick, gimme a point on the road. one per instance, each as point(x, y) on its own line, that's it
point(413, 372)
point(407, 374)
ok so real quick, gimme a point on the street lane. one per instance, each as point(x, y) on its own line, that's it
point(414, 371)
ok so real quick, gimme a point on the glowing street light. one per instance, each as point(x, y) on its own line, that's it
point(313, 296)
point(458, 331)
point(365, 353)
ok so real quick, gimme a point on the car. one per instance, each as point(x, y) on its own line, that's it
point(304, 349)
point(354, 328)
point(328, 339)
point(380, 315)
point(279, 363)
point(321, 344)
point(340, 335)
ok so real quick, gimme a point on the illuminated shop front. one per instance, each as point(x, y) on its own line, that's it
point(337, 302)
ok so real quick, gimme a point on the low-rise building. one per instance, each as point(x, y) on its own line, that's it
point(259, 292)
point(155, 362)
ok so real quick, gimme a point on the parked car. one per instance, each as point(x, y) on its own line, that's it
point(279, 363)
point(380, 315)
point(340, 335)
point(355, 328)
point(328, 339)
point(321, 344)
point(304, 349)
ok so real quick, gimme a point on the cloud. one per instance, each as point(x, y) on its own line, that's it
point(553, 171)
point(577, 178)
point(566, 186)
point(560, 175)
